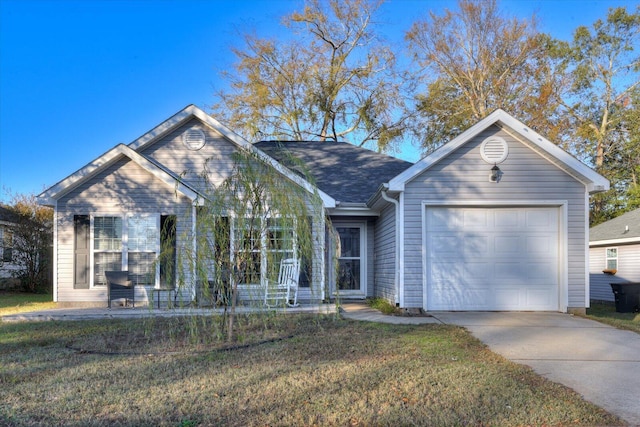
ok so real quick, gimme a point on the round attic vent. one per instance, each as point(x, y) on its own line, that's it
point(494, 150)
point(194, 139)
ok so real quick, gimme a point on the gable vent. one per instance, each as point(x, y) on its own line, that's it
point(494, 150)
point(194, 139)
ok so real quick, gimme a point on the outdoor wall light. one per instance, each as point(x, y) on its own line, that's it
point(496, 173)
point(494, 150)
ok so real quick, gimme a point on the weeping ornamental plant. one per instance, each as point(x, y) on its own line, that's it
point(245, 226)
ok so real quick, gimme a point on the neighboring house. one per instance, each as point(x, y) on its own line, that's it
point(614, 254)
point(494, 220)
point(8, 267)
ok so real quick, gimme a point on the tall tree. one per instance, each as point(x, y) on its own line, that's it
point(32, 242)
point(603, 63)
point(473, 61)
point(246, 226)
point(333, 79)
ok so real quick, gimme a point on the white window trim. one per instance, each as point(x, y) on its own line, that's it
point(263, 249)
point(124, 248)
point(607, 258)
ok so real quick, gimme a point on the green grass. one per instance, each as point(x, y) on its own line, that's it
point(606, 313)
point(287, 370)
point(20, 302)
point(383, 305)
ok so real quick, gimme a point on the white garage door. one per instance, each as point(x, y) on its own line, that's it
point(492, 258)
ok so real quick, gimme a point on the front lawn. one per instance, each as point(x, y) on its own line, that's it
point(19, 302)
point(286, 370)
point(606, 313)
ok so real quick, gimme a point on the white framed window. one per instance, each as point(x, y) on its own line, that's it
point(611, 259)
point(248, 243)
point(106, 232)
point(6, 250)
point(142, 248)
point(126, 242)
point(262, 244)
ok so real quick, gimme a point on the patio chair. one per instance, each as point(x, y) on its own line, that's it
point(119, 286)
point(286, 290)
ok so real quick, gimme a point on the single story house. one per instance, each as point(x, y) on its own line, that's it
point(614, 254)
point(495, 219)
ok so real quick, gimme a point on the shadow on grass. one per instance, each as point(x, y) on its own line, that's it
point(286, 370)
point(606, 313)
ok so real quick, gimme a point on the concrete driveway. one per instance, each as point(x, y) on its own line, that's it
point(599, 362)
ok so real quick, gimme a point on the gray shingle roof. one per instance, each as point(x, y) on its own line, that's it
point(8, 215)
point(343, 171)
point(616, 228)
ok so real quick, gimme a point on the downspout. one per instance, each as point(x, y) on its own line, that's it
point(384, 195)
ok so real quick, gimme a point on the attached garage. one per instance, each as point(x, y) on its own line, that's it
point(494, 220)
point(492, 258)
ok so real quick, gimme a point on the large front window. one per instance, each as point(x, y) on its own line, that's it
point(131, 245)
point(107, 247)
point(142, 247)
point(248, 256)
point(260, 246)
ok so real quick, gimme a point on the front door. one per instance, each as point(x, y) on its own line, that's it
point(350, 280)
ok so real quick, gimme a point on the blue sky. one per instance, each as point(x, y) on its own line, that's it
point(78, 77)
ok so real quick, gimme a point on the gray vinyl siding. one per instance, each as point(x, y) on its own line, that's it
point(628, 270)
point(370, 259)
point(119, 189)
point(463, 175)
point(385, 254)
point(215, 157)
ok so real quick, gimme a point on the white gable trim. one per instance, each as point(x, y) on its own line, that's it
point(72, 181)
point(593, 181)
point(192, 111)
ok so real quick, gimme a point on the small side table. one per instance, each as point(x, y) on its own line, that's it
point(159, 292)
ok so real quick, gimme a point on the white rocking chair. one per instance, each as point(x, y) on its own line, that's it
point(286, 290)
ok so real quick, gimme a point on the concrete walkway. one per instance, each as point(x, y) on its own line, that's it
point(599, 362)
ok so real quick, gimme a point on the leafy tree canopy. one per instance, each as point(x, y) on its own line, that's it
point(333, 79)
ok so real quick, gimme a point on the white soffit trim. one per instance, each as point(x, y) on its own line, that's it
point(595, 182)
point(623, 241)
point(90, 170)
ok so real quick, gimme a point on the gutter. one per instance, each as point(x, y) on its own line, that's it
point(383, 193)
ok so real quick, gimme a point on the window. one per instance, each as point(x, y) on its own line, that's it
point(261, 248)
point(280, 240)
point(132, 244)
point(612, 259)
point(248, 240)
point(7, 245)
point(107, 247)
point(142, 247)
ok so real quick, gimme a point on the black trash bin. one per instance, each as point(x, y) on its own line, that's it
point(627, 297)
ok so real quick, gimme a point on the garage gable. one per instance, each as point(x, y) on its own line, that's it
point(518, 130)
